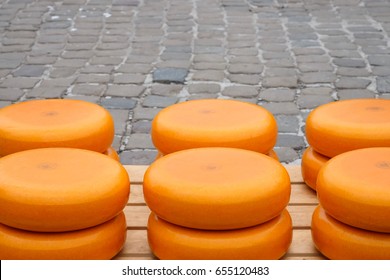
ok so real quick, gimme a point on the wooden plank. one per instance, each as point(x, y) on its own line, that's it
point(137, 216)
point(136, 173)
point(302, 194)
point(302, 244)
point(136, 194)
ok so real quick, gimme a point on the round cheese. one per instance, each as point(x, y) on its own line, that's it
point(310, 166)
point(214, 123)
point(60, 189)
point(103, 241)
point(342, 126)
point(339, 241)
point(216, 188)
point(112, 153)
point(269, 240)
point(55, 123)
point(354, 188)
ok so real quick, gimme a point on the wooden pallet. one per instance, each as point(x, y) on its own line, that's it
point(302, 203)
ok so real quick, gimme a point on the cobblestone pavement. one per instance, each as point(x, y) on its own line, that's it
point(135, 57)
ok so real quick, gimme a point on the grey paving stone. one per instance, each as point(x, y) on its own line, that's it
point(30, 71)
point(125, 90)
point(244, 79)
point(118, 103)
point(96, 90)
point(381, 70)
point(137, 157)
point(10, 94)
point(88, 98)
point(355, 93)
point(142, 113)
point(318, 77)
point(209, 58)
point(129, 79)
point(344, 62)
point(139, 141)
point(379, 60)
point(197, 96)
point(245, 68)
point(286, 154)
point(283, 62)
point(287, 123)
point(315, 67)
point(211, 66)
point(383, 84)
point(5, 103)
point(141, 127)
point(60, 72)
point(308, 51)
point(46, 92)
point(352, 83)
point(240, 91)
point(135, 68)
point(166, 90)
point(345, 54)
point(289, 82)
point(204, 88)
point(159, 101)
point(281, 108)
point(277, 94)
point(93, 78)
point(313, 101)
point(317, 91)
point(170, 75)
point(279, 72)
point(121, 119)
point(290, 140)
point(208, 75)
point(19, 82)
point(312, 59)
point(244, 59)
point(352, 72)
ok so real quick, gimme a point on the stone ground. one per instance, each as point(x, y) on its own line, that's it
point(135, 57)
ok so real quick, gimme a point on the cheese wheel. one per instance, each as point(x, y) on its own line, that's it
point(60, 189)
point(55, 123)
point(310, 166)
point(354, 188)
point(112, 153)
point(337, 240)
point(342, 126)
point(216, 188)
point(214, 123)
point(269, 240)
point(271, 154)
point(103, 241)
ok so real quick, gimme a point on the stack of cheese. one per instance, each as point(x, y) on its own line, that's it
point(215, 194)
point(343, 126)
point(60, 196)
point(214, 123)
point(353, 219)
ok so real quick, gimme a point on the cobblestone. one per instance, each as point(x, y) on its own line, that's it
point(288, 56)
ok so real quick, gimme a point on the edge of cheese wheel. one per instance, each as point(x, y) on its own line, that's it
point(216, 188)
point(269, 240)
point(342, 126)
point(214, 123)
point(354, 188)
point(336, 240)
point(311, 164)
point(49, 123)
point(61, 189)
point(103, 241)
point(111, 152)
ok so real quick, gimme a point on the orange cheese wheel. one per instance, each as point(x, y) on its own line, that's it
point(55, 123)
point(269, 240)
point(214, 123)
point(60, 189)
point(112, 153)
point(103, 241)
point(354, 188)
point(337, 240)
point(271, 154)
point(216, 188)
point(310, 166)
point(342, 126)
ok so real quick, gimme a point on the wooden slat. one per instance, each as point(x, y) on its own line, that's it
point(302, 203)
point(137, 216)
